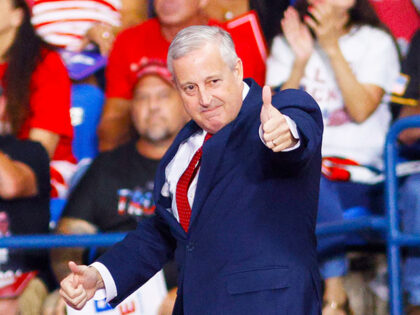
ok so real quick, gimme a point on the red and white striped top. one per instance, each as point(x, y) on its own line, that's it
point(64, 23)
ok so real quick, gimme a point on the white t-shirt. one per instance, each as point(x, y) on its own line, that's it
point(373, 57)
point(64, 23)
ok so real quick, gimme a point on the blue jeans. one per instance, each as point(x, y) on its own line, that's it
point(331, 249)
point(334, 198)
point(409, 205)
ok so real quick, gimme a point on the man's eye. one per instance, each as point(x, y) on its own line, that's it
point(140, 98)
point(189, 88)
point(215, 82)
point(164, 95)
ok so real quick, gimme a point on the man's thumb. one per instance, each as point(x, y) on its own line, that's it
point(75, 269)
point(266, 96)
point(266, 107)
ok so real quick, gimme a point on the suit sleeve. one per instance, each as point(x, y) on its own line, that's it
point(140, 255)
point(305, 112)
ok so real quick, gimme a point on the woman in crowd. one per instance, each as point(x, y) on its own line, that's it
point(339, 52)
point(35, 91)
point(76, 25)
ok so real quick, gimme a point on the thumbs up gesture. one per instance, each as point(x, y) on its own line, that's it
point(276, 132)
point(80, 285)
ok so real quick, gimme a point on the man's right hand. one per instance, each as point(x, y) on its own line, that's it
point(80, 285)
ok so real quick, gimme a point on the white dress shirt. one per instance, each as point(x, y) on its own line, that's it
point(173, 172)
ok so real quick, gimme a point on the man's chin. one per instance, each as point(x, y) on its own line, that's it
point(156, 137)
point(213, 128)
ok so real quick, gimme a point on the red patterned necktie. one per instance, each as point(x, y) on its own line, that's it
point(184, 182)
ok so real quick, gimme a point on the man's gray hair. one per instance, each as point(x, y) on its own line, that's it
point(196, 37)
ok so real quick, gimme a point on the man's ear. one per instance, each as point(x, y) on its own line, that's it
point(238, 70)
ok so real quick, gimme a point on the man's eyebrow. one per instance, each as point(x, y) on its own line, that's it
point(208, 78)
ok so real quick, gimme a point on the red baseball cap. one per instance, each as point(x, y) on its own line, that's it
point(154, 66)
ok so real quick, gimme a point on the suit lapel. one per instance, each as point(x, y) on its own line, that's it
point(163, 203)
point(213, 151)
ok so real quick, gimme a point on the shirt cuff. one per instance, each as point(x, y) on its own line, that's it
point(293, 130)
point(109, 283)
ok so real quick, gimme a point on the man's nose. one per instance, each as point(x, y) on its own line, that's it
point(205, 97)
point(154, 104)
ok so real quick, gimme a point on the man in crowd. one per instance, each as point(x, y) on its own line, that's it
point(116, 191)
point(150, 40)
point(236, 196)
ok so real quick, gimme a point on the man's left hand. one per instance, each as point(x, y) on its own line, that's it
point(276, 132)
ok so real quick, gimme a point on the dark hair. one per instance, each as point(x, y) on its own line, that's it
point(362, 13)
point(22, 57)
point(270, 12)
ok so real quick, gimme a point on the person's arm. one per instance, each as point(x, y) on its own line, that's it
point(48, 139)
point(129, 264)
point(16, 179)
point(411, 135)
point(301, 42)
point(50, 103)
point(61, 256)
point(360, 100)
point(142, 253)
point(114, 127)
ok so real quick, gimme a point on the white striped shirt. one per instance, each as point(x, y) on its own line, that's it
point(64, 23)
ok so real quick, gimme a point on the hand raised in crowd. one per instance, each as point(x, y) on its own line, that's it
point(102, 35)
point(326, 25)
point(80, 285)
point(276, 132)
point(297, 35)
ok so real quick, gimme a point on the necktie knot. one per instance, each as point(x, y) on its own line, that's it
point(207, 137)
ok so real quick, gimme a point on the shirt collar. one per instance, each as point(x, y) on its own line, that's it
point(245, 90)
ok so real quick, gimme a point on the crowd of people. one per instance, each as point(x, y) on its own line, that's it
point(356, 59)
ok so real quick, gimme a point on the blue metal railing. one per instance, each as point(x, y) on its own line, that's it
point(396, 239)
point(52, 240)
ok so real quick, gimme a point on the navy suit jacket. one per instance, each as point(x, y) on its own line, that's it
point(251, 246)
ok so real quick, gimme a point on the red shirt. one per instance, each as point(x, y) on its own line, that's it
point(400, 16)
point(145, 41)
point(50, 88)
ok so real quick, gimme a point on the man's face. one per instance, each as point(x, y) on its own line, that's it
point(177, 12)
point(157, 110)
point(211, 91)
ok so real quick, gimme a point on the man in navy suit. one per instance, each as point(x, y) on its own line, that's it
point(240, 220)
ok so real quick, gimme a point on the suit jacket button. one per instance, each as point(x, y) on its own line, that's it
point(190, 246)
